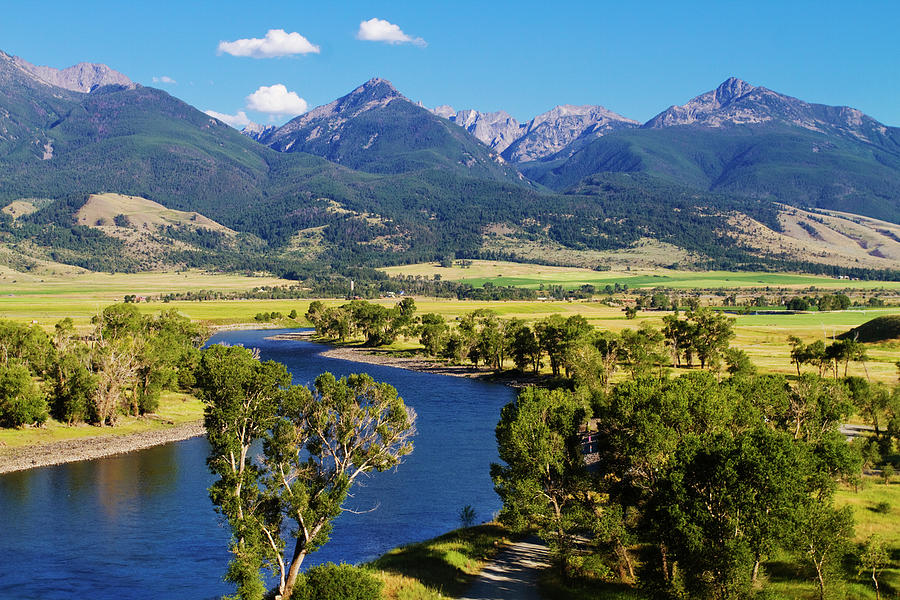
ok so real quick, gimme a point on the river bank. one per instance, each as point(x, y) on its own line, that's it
point(88, 448)
point(371, 356)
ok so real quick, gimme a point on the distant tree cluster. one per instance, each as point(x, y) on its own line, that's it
point(376, 324)
point(826, 358)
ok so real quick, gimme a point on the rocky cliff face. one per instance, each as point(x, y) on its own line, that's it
point(496, 129)
point(83, 77)
point(543, 136)
point(736, 102)
point(550, 132)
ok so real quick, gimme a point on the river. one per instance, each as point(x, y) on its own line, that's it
point(141, 525)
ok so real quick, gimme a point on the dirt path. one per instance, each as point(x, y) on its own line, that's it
point(513, 575)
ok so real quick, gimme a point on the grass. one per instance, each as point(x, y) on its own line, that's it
point(46, 300)
point(532, 276)
point(174, 409)
point(439, 568)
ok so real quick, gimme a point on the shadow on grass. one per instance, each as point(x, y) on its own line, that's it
point(784, 571)
point(448, 563)
point(554, 587)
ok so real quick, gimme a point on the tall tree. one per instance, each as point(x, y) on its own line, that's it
point(315, 445)
point(543, 476)
point(320, 445)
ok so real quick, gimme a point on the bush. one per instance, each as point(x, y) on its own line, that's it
point(21, 403)
point(467, 516)
point(331, 581)
point(882, 508)
point(887, 472)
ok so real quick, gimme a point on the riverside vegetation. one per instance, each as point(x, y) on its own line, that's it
point(121, 366)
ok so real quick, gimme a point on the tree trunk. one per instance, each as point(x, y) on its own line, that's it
point(294, 571)
point(820, 579)
point(665, 562)
point(627, 558)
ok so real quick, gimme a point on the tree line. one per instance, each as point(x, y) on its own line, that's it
point(120, 367)
point(567, 345)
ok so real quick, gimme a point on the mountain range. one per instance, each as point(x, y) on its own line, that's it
point(374, 178)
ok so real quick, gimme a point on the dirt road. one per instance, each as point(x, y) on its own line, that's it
point(513, 575)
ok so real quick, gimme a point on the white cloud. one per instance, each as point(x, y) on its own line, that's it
point(379, 30)
point(277, 42)
point(276, 100)
point(238, 121)
point(164, 79)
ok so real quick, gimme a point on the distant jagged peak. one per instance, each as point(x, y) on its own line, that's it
point(573, 112)
point(496, 130)
point(736, 102)
point(255, 131)
point(82, 77)
point(372, 94)
point(444, 110)
point(552, 131)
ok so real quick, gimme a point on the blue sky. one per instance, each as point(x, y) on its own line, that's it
point(635, 58)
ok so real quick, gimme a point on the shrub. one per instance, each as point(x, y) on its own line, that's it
point(467, 516)
point(21, 402)
point(331, 581)
point(882, 508)
point(887, 472)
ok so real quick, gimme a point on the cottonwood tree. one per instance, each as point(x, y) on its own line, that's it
point(320, 444)
point(544, 475)
point(314, 446)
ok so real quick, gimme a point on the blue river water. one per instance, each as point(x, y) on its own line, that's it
point(140, 525)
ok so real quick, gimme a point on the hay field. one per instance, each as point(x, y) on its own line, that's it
point(532, 276)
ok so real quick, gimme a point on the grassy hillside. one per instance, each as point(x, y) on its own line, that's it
point(880, 329)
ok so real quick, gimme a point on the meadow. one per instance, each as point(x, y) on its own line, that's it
point(533, 276)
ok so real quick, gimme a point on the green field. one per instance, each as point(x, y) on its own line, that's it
point(46, 300)
point(533, 276)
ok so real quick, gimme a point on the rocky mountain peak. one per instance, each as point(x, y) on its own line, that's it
point(377, 88)
point(495, 129)
point(736, 102)
point(544, 135)
point(731, 89)
point(255, 131)
point(83, 77)
point(444, 110)
point(550, 132)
